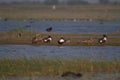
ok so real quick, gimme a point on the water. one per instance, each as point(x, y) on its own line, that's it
point(86, 76)
point(61, 26)
point(81, 52)
point(67, 52)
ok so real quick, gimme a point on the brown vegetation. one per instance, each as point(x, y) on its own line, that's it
point(83, 12)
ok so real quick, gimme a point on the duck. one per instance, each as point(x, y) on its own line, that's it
point(61, 41)
point(49, 29)
point(103, 39)
point(71, 74)
point(19, 35)
point(5, 19)
point(28, 25)
point(47, 39)
point(36, 39)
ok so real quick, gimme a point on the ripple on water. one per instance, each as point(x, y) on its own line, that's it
point(61, 26)
point(69, 52)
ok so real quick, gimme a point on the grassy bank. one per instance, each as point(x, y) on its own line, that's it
point(37, 66)
point(82, 12)
point(76, 39)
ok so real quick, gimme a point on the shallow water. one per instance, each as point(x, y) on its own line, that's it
point(61, 26)
point(86, 76)
point(69, 52)
point(80, 52)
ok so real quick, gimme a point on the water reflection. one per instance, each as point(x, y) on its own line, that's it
point(69, 52)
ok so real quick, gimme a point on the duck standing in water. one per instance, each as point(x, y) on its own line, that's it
point(103, 39)
point(47, 39)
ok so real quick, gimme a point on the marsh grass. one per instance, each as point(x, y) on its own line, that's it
point(39, 66)
point(83, 12)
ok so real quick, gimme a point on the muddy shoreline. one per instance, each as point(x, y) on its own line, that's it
point(75, 39)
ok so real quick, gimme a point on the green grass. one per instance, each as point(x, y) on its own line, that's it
point(38, 66)
point(19, 30)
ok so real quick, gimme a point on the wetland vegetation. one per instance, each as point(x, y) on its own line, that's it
point(47, 66)
point(82, 12)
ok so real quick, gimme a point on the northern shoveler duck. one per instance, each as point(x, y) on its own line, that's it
point(103, 39)
point(88, 41)
point(36, 39)
point(61, 41)
point(47, 39)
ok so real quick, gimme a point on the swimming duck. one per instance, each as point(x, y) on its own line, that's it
point(49, 29)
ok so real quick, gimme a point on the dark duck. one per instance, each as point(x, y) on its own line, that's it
point(71, 74)
point(49, 29)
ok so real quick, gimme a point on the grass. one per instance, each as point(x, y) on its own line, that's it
point(38, 66)
point(82, 12)
point(19, 30)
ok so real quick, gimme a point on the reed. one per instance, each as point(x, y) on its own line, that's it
point(39, 66)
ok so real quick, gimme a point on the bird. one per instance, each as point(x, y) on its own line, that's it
point(36, 39)
point(61, 41)
point(71, 74)
point(28, 25)
point(19, 35)
point(5, 19)
point(47, 39)
point(49, 29)
point(103, 39)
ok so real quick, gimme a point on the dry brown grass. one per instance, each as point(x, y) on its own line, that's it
point(86, 12)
